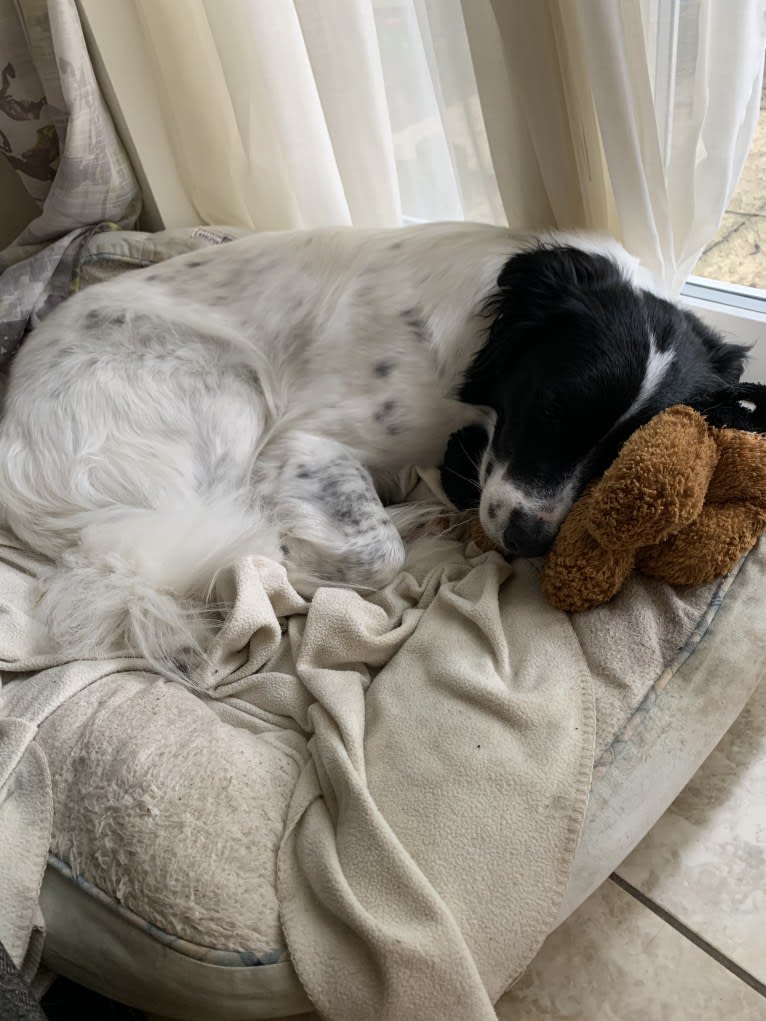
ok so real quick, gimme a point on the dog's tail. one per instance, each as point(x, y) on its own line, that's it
point(140, 580)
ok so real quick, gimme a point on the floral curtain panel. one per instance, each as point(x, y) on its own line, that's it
point(57, 135)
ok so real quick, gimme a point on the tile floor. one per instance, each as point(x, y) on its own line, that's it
point(680, 931)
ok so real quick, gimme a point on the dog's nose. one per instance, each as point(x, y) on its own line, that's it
point(527, 534)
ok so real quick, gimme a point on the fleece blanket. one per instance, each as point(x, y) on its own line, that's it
point(450, 728)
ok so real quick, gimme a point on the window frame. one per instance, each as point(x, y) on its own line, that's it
point(739, 313)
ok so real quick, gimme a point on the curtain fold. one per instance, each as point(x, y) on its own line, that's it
point(545, 69)
point(639, 114)
point(57, 134)
point(276, 110)
point(674, 154)
point(633, 117)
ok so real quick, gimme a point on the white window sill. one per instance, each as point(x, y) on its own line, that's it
point(739, 313)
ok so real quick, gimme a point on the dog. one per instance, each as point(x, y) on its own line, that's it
point(259, 398)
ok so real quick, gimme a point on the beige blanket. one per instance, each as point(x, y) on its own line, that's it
point(451, 729)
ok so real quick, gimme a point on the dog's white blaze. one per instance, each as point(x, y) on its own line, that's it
point(657, 364)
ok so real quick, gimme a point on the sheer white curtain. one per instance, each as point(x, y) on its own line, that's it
point(640, 113)
point(677, 87)
point(276, 110)
point(629, 116)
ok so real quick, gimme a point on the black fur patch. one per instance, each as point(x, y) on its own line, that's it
point(564, 367)
point(385, 410)
point(416, 323)
point(383, 368)
point(459, 472)
point(566, 357)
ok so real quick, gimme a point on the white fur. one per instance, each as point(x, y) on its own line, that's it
point(159, 426)
point(500, 492)
point(657, 365)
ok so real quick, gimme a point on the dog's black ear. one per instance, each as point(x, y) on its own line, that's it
point(726, 360)
point(534, 285)
point(460, 470)
point(547, 270)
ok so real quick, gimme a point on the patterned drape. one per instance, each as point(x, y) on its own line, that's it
point(56, 133)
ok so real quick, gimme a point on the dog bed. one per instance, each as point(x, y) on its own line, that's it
point(174, 807)
point(378, 806)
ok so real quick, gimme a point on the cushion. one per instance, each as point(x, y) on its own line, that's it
point(161, 886)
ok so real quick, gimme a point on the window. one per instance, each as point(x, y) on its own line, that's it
point(737, 255)
point(441, 149)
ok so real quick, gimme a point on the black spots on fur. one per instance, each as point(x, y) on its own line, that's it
point(386, 415)
point(396, 246)
point(153, 276)
point(284, 550)
point(97, 318)
point(492, 511)
point(416, 324)
point(385, 411)
point(194, 263)
point(302, 471)
point(383, 368)
point(345, 503)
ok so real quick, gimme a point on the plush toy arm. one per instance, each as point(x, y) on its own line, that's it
point(657, 484)
point(579, 573)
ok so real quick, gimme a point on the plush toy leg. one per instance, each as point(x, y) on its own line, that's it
point(740, 474)
point(579, 573)
point(708, 548)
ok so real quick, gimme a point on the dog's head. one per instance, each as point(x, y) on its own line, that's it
point(577, 357)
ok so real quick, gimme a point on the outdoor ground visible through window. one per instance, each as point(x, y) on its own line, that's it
point(737, 254)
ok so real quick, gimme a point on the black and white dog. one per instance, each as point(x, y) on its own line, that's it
point(256, 398)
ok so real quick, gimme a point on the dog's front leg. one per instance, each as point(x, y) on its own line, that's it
point(334, 527)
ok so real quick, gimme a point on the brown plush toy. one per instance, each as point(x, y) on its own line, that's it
point(683, 502)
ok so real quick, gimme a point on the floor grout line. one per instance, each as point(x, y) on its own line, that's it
point(690, 934)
